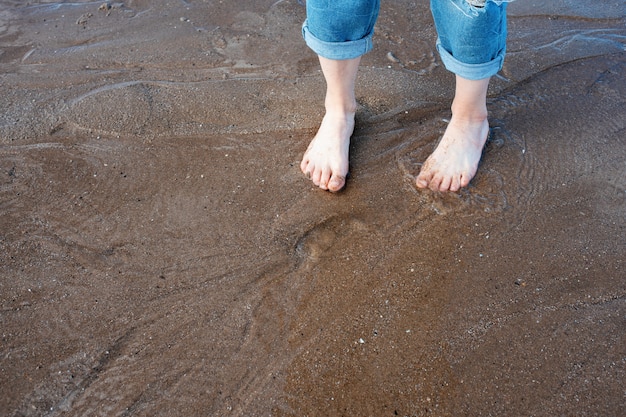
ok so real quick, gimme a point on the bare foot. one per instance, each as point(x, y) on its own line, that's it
point(325, 161)
point(454, 162)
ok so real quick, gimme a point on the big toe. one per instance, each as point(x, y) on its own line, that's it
point(422, 180)
point(336, 183)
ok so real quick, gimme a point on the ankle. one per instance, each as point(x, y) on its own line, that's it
point(340, 107)
point(471, 114)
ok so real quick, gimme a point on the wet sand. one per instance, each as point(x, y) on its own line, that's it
point(161, 254)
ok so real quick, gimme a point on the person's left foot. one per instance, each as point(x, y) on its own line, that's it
point(454, 162)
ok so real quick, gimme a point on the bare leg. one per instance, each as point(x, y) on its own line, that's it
point(325, 161)
point(455, 161)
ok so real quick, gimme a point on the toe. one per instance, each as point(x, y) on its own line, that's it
point(425, 177)
point(455, 185)
point(336, 183)
point(445, 184)
point(307, 168)
point(464, 180)
point(304, 165)
point(422, 180)
point(324, 179)
point(316, 176)
point(434, 183)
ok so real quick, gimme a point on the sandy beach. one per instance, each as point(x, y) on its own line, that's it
point(161, 254)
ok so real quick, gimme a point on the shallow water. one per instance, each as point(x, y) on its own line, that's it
point(162, 254)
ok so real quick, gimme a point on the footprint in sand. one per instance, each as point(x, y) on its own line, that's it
point(325, 238)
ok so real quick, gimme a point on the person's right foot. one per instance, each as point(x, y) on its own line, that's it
point(325, 161)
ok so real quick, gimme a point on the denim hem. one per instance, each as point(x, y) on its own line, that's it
point(337, 50)
point(470, 71)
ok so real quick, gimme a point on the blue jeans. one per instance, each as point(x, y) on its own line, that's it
point(471, 33)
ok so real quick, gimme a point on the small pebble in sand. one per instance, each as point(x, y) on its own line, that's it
point(391, 57)
point(83, 19)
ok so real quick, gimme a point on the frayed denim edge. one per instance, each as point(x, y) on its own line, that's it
point(481, 3)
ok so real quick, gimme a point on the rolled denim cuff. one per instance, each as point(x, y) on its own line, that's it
point(337, 50)
point(470, 71)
